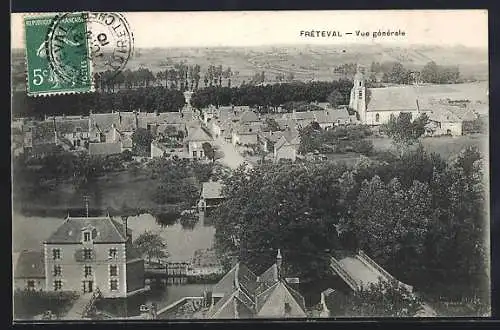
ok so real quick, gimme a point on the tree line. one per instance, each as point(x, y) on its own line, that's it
point(270, 96)
point(397, 73)
point(144, 99)
point(421, 217)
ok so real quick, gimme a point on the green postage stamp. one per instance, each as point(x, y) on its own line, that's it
point(57, 54)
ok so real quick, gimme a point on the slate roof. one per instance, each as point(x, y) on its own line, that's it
point(29, 264)
point(198, 134)
point(67, 126)
point(247, 293)
point(104, 121)
point(289, 138)
point(103, 148)
point(211, 190)
point(70, 230)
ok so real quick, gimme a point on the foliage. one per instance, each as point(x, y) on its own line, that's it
point(209, 151)
point(142, 137)
point(28, 303)
point(151, 245)
point(435, 74)
point(272, 125)
point(403, 130)
point(270, 96)
point(146, 99)
point(422, 218)
point(338, 139)
point(335, 98)
point(384, 299)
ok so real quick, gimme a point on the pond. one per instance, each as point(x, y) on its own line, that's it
point(30, 232)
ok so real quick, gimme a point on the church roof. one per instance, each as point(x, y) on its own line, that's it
point(392, 99)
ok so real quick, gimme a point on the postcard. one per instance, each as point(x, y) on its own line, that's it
point(250, 165)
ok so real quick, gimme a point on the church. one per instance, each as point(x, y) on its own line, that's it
point(376, 105)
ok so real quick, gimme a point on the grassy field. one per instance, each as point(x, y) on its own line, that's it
point(446, 146)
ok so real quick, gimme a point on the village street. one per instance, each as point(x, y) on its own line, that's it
point(231, 157)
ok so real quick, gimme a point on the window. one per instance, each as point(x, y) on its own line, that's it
point(87, 254)
point(30, 285)
point(57, 285)
point(113, 270)
point(56, 254)
point(113, 285)
point(360, 84)
point(360, 94)
point(377, 117)
point(78, 129)
point(57, 270)
point(112, 253)
point(288, 309)
point(88, 270)
point(194, 154)
point(86, 236)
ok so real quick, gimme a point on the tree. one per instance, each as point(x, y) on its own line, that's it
point(142, 138)
point(430, 73)
point(384, 299)
point(335, 98)
point(403, 131)
point(152, 246)
point(272, 125)
point(209, 151)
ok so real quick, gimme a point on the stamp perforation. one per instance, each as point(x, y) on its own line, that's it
point(29, 91)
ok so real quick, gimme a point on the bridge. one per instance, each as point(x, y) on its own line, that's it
point(359, 271)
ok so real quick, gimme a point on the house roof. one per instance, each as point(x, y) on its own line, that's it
point(104, 121)
point(29, 264)
point(241, 286)
point(198, 134)
point(211, 190)
point(289, 138)
point(248, 116)
point(70, 231)
point(66, 126)
point(103, 148)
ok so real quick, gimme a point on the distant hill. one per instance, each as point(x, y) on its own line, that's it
point(307, 62)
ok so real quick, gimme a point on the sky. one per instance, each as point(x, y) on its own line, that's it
point(226, 29)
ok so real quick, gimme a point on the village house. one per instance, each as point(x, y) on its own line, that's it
point(211, 196)
point(247, 128)
point(242, 294)
point(195, 139)
point(448, 119)
point(287, 146)
point(29, 270)
point(89, 253)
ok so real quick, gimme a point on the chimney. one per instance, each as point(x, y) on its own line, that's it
point(125, 227)
point(119, 118)
point(279, 261)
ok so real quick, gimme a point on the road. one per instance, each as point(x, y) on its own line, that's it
point(231, 157)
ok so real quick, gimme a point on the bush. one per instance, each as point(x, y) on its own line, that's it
point(28, 304)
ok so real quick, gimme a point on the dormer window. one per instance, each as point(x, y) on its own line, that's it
point(86, 236)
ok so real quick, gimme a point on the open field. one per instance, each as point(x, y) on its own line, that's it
point(446, 146)
point(305, 62)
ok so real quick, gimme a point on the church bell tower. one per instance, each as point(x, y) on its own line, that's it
point(357, 101)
